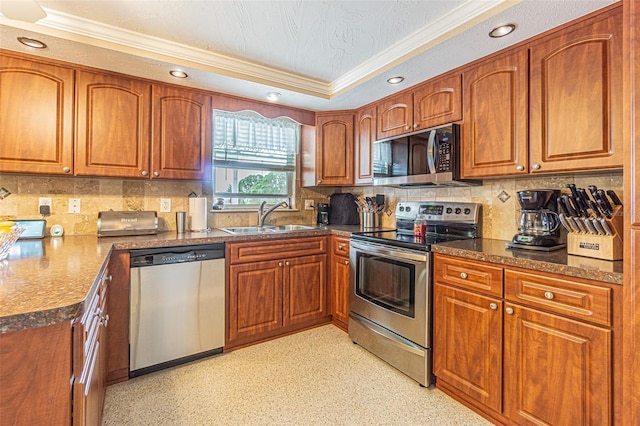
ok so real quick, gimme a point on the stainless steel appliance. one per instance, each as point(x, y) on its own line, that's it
point(391, 283)
point(120, 223)
point(426, 157)
point(177, 306)
point(539, 224)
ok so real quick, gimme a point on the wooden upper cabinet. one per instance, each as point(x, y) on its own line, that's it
point(113, 126)
point(437, 102)
point(334, 149)
point(365, 135)
point(433, 103)
point(576, 97)
point(494, 131)
point(36, 123)
point(395, 116)
point(181, 133)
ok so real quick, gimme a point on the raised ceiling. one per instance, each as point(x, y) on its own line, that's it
point(320, 55)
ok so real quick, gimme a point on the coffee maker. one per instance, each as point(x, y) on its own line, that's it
point(323, 214)
point(539, 225)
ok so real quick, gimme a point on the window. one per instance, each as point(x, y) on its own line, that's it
point(254, 158)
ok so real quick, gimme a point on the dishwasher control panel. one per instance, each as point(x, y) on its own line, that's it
point(168, 255)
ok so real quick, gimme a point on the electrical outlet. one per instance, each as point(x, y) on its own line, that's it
point(308, 204)
point(165, 205)
point(44, 201)
point(74, 205)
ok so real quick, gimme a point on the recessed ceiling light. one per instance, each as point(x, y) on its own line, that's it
point(178, 74)
point(502, 30)
point(31, 42)
point(273, 96)
point(395, 80)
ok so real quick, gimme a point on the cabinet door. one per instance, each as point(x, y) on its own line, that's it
point(438, 102)
point(395, 116)
point(340, 274)
point(255, 300)
point(334, 149)
point(305, 289)
point(182, 134)
point(576, 98)
point(117, 333)
point(494, 131)
point(467, 343)
point(365, 135)
point(114, 118)
point(36, 123)
point(557, 371)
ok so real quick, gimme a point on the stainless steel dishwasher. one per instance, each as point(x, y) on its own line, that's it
point(177, 306)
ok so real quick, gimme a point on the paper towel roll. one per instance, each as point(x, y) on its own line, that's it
point(198, 213)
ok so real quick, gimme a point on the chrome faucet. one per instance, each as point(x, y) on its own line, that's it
point(262, 215)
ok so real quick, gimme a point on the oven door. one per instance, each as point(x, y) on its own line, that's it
point(390, 287)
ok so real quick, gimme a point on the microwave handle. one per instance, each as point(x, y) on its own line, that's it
point(431, 152)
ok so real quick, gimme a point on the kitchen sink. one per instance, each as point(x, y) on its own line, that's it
point(267, 229)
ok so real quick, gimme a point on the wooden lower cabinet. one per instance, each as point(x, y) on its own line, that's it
point(340, 275)
point(557, 371)
point(117, 333)
point(468, 343)
point(541, 355)
point(272, 291)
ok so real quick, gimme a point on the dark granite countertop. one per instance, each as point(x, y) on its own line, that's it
point(44, 282)
point(557, 262)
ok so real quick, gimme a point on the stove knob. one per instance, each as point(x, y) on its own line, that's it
point(401, 208)
point(467, 211)
point(449, 210)
point(408, 209)
point(458, 210)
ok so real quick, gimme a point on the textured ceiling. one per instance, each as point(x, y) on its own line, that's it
point(320, 55)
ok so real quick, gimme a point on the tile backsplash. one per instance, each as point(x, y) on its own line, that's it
point(499, 219)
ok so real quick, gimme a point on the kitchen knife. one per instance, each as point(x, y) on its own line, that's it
point(584, 196)
point(608, 210)
point(581, 206)
point(593, 190)
point(596, 224)
point(573, 189)
point(576, 206)
point(614, 197)
point(580, 225)
point(603, 208)
point(605, 226)
point(594, 208)
point(587, 224)
point(567, 205)
point(566, 223)
point(561, 207)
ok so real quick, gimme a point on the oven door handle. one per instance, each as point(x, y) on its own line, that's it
point(391, 253)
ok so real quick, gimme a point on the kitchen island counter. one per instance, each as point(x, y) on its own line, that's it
point(45, 282)
point(557, 262)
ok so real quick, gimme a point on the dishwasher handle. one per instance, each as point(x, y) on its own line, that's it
point(168, 255)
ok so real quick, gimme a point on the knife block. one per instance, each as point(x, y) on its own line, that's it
point(607, 247)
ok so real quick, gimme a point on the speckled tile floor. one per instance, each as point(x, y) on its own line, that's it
point(317, 377)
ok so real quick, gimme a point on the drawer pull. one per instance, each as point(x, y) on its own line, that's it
point(509, 311)
point(346, 262)
point(520, 168)
point(280, 264)
point(549, 295)
point(463, 275)
point(341, 246)
point(493, 306)
point(287, 263)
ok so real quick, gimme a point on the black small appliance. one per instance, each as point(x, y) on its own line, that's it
point(539, 225)
point(323, 214)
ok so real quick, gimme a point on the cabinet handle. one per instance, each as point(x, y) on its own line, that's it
point(520, 168)
point(287, 263)
point(346, 262)
point(509, 311)
point(415, 125)
point(493, 306)
point(341, 246)
point(104, 320)
point(280, 264)
point(407, 127)
point(535, 166)
point(319, 180)
point(549, 295)
point(66, 169)
point(156, 174)
point(145, 173)
point(463, 275)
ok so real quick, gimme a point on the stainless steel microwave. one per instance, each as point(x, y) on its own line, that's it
point(428, 157)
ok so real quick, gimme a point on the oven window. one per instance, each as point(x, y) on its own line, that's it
point(387, 283)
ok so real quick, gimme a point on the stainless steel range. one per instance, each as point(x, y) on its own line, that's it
point(391, 283)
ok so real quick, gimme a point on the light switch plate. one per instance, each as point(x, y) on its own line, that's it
point(308, 204)
point(165, 205)
point(74, 205)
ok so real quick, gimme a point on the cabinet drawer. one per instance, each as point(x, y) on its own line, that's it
point(563, 295)
point(275, 249)
point(340, 246)
point(468, 274)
